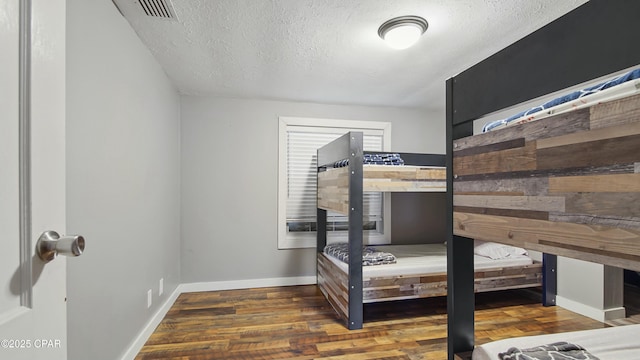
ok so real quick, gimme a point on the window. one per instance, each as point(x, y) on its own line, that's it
point(299, 139)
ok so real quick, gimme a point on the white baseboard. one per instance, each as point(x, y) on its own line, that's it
point(246, 284)
point(615, 313)
point(155, 320)
point(589, 311)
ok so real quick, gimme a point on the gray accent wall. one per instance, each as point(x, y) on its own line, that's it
point(230, 181)
point(418, 218)
point(123, 180)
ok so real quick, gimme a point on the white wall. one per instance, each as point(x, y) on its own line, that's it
point(230, 181)
point(123, 176)
point(590, 289)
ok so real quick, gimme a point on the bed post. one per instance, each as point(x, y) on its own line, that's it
point(321, 234)
point(460, 294)
point(347, 146)
point(321, 229)
point(321, 223)
point(355, 231)
point(549, 279)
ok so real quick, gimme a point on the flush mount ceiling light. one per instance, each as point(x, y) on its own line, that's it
point(403, 31)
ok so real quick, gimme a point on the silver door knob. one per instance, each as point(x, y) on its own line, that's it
point(50, 244)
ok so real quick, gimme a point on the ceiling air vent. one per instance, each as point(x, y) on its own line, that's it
point(158, 8)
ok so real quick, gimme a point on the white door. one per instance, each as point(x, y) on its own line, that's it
point(32, 293)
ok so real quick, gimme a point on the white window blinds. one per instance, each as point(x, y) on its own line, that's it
point(302, 145)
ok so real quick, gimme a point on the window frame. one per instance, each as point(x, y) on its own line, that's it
point(308, 240)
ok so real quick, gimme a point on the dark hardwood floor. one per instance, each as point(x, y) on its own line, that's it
point(297, 323)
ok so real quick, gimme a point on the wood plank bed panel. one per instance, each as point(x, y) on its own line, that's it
point(627, 168)
point(405, 173)
point(403, 186)
point(595, 183)
point(515, 159)
point(528, 233)
point(517, 187)
point(404, 178)
point(536, 203)
point(608, 204)
point(333, 283)
point(544, 128)
point(505, 145)
point(630, 262)
point(333, 191)
point(404, 287)
point(527, 214)
point(584, 180)
point(609, 132)
point(623, 111)
point(605, 152)
point(623, 222)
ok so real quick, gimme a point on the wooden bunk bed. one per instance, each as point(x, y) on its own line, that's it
point(346, 286)
point(567, 185)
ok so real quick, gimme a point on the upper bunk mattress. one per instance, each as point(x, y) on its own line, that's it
point(621, 86)
point(426, 259)
point(615, 343)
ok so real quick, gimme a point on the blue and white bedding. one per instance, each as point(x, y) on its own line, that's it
point(426, 259)
point(375, 159)
point(370, 256)
point(616, 88)
point(613, 343)
point(561, 350)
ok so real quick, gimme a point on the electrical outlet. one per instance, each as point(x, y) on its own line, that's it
point(149, 298)
point(161, 287)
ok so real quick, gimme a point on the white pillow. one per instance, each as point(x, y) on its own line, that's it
point(496, 251)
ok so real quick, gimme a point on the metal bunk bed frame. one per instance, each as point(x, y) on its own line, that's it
point(596, 39)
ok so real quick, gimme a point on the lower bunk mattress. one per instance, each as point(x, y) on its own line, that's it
point(614, 343)
point(421, 271)
point(426, 259)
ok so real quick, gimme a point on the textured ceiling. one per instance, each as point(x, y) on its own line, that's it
point(328, 51)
